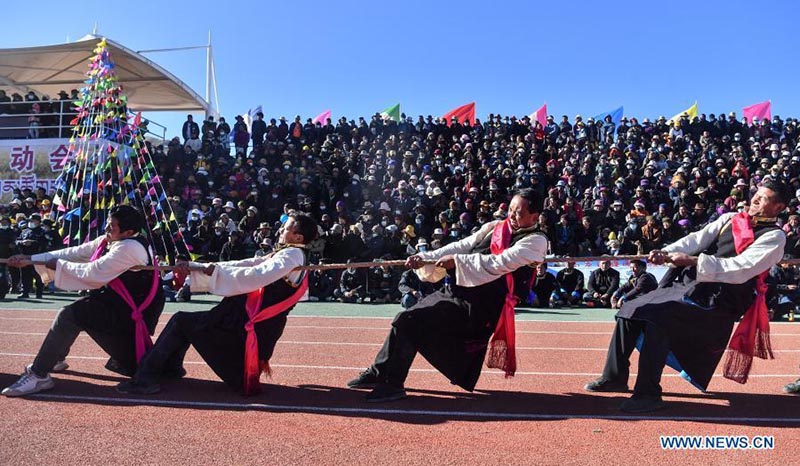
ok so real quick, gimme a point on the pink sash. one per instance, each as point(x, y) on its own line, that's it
point(142, 334)
point(502, 347)
point(252, 368)
point(751, 337)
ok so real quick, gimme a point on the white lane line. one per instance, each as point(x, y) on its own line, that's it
point(360, 368)
point(404, 412)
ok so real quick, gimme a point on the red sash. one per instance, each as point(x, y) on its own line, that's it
point(252, 367)
point(502, 352)
point(142, 339)
point(751, 337)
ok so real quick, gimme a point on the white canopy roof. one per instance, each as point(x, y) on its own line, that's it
point(49, 69)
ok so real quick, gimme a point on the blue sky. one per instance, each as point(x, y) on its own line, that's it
point(359, 57)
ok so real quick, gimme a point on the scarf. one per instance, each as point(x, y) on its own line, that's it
point(252, 366)
point(502, 353)
point(142, 340)
point(751, 337)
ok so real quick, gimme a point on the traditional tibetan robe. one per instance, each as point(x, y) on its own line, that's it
point(710, 297)
point(452, 327)
point(219, 335)
point(104, 314)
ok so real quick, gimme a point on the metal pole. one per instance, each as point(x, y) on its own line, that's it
point(208, 69)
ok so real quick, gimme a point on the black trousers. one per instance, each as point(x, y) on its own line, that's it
point(220, 346)
point(168, 351)
point(395, 357)
point(652, 357)
point(29, 276)
point(66, 328)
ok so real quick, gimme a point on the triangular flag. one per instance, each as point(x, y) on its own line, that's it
point(760, 111)
point(461, 114)
point(322, 118)
point(540, 115)
point(391, 113)
point(691, 111)
point(616, 116)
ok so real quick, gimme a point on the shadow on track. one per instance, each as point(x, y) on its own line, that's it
point(430, 407)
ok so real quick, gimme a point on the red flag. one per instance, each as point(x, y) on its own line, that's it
point(462, 114)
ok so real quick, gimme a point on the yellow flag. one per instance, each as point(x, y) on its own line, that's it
point(691, 111)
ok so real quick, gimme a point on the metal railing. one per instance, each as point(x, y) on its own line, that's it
point(19, 121)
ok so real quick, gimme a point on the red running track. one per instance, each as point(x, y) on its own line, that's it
point(306, 416)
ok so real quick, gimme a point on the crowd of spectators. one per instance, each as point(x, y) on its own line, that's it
point(43, 117)
point(382, 189)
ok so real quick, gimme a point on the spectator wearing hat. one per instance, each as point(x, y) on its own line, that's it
point(249, 222)
point(264, 231)
point(241, 137)
point(217, 240)
point(258, 130)
point(616, 217)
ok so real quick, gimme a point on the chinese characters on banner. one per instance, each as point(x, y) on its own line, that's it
point(32, 163)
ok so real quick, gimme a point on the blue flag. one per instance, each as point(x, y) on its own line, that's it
point(73, 213)
point(616, 116)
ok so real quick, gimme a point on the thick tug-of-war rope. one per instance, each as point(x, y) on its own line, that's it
point(402, 262)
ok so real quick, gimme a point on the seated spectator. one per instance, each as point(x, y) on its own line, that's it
point(602, 284)
point(569, 286)
point(640, 282)
point(383, 285)
point(352, 285)
point(412, 289)
point(543, 284)
point(321, 284)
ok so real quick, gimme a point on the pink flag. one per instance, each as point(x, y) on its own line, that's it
point(322, 118)
point(540, 115)
point(760, 111)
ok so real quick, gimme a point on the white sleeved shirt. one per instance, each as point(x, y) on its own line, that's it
point(74, 271)
point(766, 251)
point(473, 269)
point(239, 277)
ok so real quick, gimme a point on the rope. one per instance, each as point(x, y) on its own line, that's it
point(402, 262)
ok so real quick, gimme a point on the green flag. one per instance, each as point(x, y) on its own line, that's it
point(392, 113)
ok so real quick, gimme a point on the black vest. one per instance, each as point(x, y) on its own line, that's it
point(281, 289)
point(735, 298)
